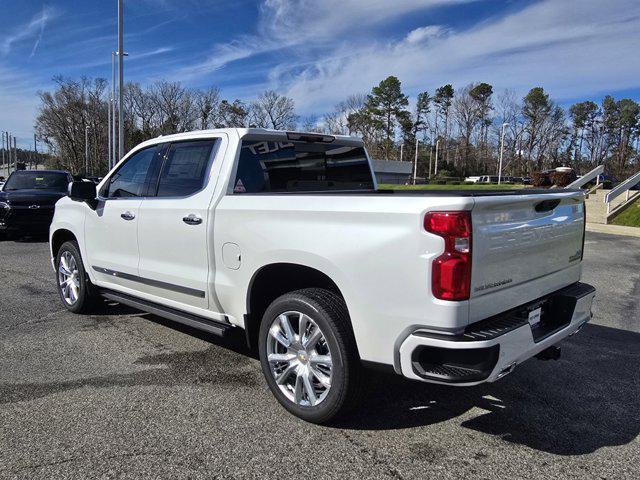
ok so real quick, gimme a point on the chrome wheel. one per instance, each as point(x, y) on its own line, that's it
point(68, 278)
point(299, 358)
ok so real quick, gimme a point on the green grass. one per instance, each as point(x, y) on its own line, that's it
point(475, 186)
point(630, 217)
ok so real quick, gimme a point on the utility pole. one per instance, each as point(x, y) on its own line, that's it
point(415, 163)
point(2, 149)
point(430, 157)
point(401, 149)
point(504, 125)
point(120, 80)
point(435, 172)
point(35, 151)
point(86, 151)
point(15, 154)
point(112, 110)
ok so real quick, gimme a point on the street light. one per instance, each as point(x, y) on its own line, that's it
point(504, 125)
point(435, 172)
point(120, 80)
point(86, 150)
point(415, 163)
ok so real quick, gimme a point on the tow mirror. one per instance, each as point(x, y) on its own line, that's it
point(83, 192)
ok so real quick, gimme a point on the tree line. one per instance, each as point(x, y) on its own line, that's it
point(465, 126)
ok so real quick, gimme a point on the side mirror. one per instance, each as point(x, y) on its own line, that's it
point(83, 192)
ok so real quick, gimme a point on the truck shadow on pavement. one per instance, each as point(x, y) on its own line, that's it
point(588, 399)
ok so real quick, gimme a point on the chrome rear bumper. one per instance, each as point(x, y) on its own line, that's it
point(491, 349)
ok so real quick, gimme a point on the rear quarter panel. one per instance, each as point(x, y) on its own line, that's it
point(374, 248)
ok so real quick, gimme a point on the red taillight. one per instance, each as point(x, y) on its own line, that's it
point(451, 271)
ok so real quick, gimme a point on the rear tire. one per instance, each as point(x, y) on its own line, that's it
point(77, 292)
point(314, 374)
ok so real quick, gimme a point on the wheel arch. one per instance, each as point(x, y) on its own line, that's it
point(275, 279)
point(59, 237)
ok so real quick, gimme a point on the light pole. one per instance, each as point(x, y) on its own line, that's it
point(15, 154)
point(86, 150)
point(3, 150)
point(504, 125)
point(415, 162)
point(120, 81)
point(435, 171)
point(112, 107)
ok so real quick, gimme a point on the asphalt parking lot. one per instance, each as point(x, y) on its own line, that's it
point(125, 394)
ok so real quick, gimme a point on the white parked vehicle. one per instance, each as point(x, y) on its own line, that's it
point(474, 179)
point(286, 236)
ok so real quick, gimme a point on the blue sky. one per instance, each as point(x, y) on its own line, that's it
point(321, 51)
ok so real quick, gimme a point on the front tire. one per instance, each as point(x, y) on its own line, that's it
point(76, 290)
point(309, 355)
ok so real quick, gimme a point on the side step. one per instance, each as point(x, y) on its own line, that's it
point(216, 328)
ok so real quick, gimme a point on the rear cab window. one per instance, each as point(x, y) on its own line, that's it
point(266, 165)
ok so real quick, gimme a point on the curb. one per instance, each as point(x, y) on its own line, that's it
point(613, 229)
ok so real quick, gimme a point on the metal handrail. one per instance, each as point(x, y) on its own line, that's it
point(622, 187)
point(593, 174)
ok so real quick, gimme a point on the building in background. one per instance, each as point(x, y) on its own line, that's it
point(390, 171)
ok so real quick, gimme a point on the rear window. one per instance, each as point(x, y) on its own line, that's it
point(268, 166)
point(24, 180)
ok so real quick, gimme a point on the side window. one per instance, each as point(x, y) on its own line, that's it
point(185, 168)
point(130, 179)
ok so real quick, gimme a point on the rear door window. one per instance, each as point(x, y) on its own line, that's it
point(268, 166)
point(185, 167)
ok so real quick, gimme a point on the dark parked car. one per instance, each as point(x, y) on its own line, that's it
point(28, 199)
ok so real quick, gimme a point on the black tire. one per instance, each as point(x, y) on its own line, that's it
point(329, 312)
point(87, 297)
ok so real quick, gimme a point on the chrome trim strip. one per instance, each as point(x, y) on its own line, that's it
point(150, 282)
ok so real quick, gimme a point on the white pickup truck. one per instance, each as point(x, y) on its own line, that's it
point(286, 236)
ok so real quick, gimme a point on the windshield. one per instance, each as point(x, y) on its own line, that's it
point(24, 180)
point(267, 166)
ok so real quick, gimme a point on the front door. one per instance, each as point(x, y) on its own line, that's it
point(175, 227)
point(111, 230)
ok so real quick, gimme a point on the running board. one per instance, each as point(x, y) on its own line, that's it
point(216, 328)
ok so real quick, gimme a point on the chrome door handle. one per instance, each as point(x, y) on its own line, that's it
point(127, 216)
point(192, 219)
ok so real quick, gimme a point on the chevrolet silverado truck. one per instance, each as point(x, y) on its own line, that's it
point(286, 235)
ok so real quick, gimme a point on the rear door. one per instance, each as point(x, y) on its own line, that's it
point(176, 226)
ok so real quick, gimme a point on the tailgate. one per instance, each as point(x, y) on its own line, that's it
point(518, 239)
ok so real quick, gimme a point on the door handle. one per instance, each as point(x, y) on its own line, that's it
point(192, 219)
point(127, 216)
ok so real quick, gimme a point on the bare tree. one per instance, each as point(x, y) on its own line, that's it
point(64, 117)
point(338, 120)
point(207, 104)
point(232, 114)
point(272, 110)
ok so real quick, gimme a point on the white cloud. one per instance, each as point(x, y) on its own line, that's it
point(35, 27)
point(311, 20)
point(571, 48)
point(422, 34)
point(308, 24)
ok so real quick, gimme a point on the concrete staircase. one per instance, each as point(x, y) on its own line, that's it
point(597, 209)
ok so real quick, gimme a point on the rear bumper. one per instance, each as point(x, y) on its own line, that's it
point(488, 350)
